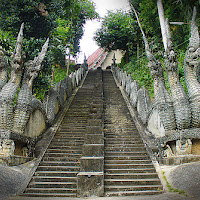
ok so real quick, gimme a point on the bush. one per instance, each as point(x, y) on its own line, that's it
point(140, 72)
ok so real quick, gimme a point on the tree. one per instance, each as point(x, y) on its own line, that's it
point(61, 20)
point(118, 31)
point(175, 11)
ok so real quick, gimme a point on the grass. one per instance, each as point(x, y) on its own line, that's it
point(139, 70)
point(171, 189)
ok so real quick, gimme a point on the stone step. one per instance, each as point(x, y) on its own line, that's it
point(131, 176)
point(64, 147)
point(52, 185)
point(123, 157)
point(77, 111)
point(71, 151)
point(121, 133)
point(122, 140)
point(119, 143)
point(54, 179)
point(68, 142)
point(122, 137)
point(66, 139)
point(50, 194)
point(115, 188)
point(117, 153)
point(127, 161)
point(123, 171)
point(76, 125)
point(73, 123)
point(77, 155)
point(51, 190)
point(69, 136)
point(132, 193)
point(59, 163)
point(78, 116)
point(123, 145)
point(69, 159)
point(57, 173)
point(75, 130)
point(127, 166)
point(122, 149)
point(76, 120)
point(59, 168)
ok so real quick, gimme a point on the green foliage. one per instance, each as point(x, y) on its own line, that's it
point(181, 57)
point(139, 71)
point(7, 40)
point(180, 11)
point(60, 74)
point(175, 11)
point(118, 31)
point(61, 20)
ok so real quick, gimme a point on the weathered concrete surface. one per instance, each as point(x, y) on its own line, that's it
point(185, 177)
point(166, 196)
point(10, 181)
point(36, 124)
point(92, 164)
point(90, 184)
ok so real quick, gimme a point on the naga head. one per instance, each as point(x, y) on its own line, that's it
point(155, 68)
point(170, 55)
point(171, 63)
point(17, 57)
point(193, 51)
point(31, 71)
point(192, 56)
point(32, 67)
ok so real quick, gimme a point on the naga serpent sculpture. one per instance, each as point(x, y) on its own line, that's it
point(180, 100)
point(7, 94)
point(162, 101)
point(191, 64)
point(25, 96)
point(3, 68)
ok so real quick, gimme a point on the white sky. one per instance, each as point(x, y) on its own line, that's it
point(87, 44)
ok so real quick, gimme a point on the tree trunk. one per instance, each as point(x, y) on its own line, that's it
point(68, 63)
point(138, 45)
point(127, 56)
point(162, 22)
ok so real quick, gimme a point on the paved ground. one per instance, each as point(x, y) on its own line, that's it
point(185, 177)
point(166, 196)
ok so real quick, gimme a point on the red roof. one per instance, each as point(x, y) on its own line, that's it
point(94, 56)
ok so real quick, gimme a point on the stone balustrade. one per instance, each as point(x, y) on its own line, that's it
point(174, 141)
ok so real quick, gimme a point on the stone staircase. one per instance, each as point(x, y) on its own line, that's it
point(128, 169)
point(56, 176)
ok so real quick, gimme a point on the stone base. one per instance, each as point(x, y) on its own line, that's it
point(93, 150)
point(94, 139)
point(94, 129)
point(177, 160)
point(90, 184)
point(92, 164)
point(94, 122)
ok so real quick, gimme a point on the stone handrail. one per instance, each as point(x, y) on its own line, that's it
point(158, 138)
